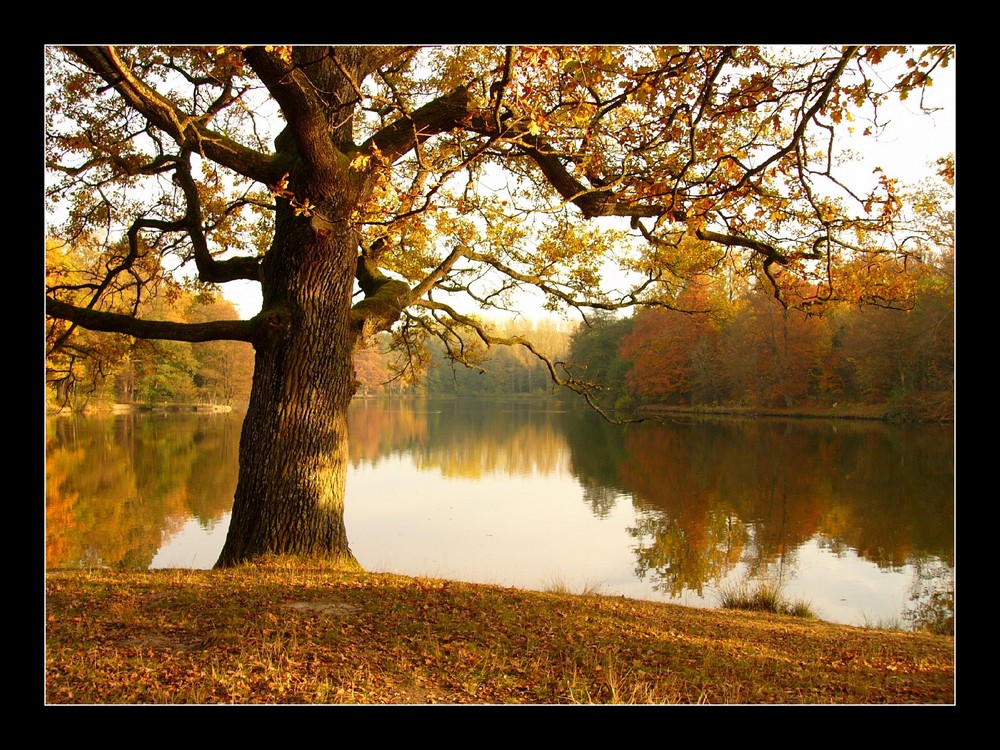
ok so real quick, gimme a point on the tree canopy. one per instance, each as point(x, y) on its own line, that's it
point(474, 160)
point(368, 188)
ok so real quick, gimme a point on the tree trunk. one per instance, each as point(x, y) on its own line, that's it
point(293, 448)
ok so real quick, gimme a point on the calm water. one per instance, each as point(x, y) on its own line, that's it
point(854, 517)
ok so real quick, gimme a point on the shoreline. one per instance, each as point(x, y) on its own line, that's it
point(882, 412)
point(875, 412)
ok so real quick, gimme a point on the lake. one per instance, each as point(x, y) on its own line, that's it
point(854, 517)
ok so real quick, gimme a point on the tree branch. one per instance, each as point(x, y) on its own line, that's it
point(441, 115)
point(186, 130)
point(385, 298)
point(800, 130)
point(594, 304)
point(305, 112)
point(434, 276)
point(209, 269)
point(96, 320)
point(769, 252)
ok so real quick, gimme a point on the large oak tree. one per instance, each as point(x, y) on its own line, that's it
point(367, 188)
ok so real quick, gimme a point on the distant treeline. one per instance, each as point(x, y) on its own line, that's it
point(752, 352)
point(715, 348)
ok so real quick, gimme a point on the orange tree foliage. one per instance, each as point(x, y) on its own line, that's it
point(774, 355)
point(752, 350)
point(673, 353)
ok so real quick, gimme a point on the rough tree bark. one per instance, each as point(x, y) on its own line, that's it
point(293, 449)
point(294, 445)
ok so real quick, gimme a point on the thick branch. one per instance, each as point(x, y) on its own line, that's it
point(96, 320)
point(591, 202)
point(434, 276)
point(304, 110)
point(386, 298)
point(599, 201)
point(209, 269)
point(186, 130)
point(769, 252)
point(439, 116)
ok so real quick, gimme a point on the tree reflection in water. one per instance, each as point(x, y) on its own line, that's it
point(707, 499)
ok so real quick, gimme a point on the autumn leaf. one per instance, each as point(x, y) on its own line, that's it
point(303, 208)
point(360, 162)
point(280, 189)
point(283, 51)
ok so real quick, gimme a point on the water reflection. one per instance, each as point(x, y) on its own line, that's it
point(460, 439)
point(710, 494)
point(714, 497)
point(685, 505)
point(117, 486)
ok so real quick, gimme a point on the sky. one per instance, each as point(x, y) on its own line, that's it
point(913, 138)
point(911, 141)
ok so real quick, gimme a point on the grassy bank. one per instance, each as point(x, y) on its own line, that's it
point(921, 407)
point(273, 634)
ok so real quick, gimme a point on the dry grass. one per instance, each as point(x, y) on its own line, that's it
point(277, 634)
point(761, 596)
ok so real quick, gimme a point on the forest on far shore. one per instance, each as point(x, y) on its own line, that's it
point(718, 347)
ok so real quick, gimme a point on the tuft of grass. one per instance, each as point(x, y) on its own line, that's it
point(558, 585)
point(762, 597)
point(881, 623)
point(799, 608)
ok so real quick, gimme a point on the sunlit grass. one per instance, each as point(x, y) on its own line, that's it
point(881, 623)
point(761, 596)
point(314, 635)
point(558, 585)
